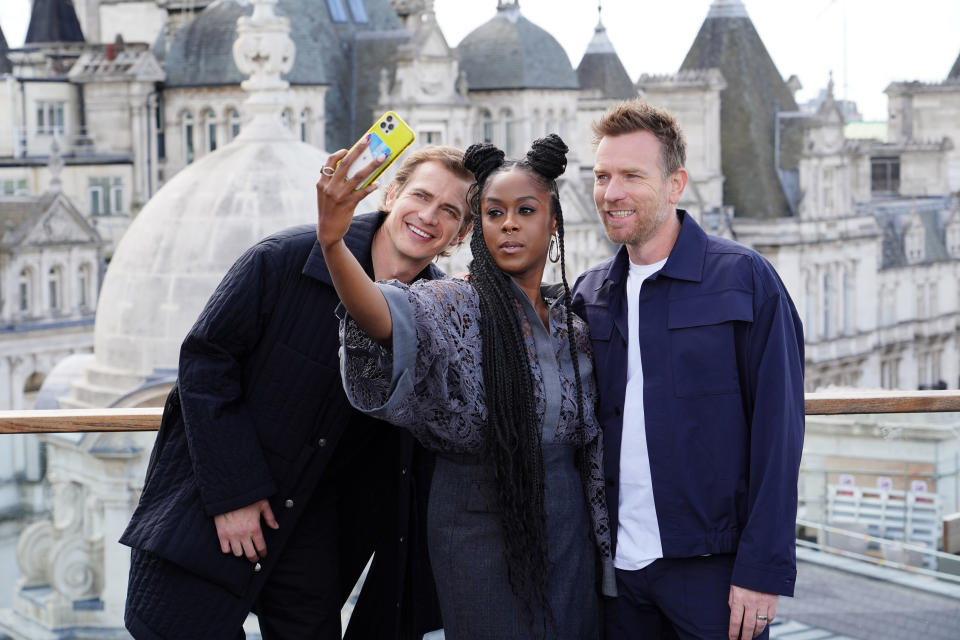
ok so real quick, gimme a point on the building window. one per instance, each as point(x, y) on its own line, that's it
point(885, 175)
point(287, 118)
point(234, 117)
point(953, 240)
point(509, 131)
point(50, 118)
point(83, 282)
point(55, 285)
point(890, 372)
point(913, 243)
point(431, 137)
point(305, 125)
point(106, 196)
point(210, 126)
point(158, 120)
point(550, 125)
point(25, 290)
point(848, 296)
point(14, 187)
point(486, 126)
point(358, 11)
point(338, 12)
point(188, 137)
point(828, 305)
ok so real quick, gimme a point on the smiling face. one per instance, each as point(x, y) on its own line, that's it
point(517, 221)
point(633, 198)
point(426, 213)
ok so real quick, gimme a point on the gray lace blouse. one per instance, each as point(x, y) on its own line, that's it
point(429, 380)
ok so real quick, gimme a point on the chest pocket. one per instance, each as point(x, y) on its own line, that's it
point(702, 345)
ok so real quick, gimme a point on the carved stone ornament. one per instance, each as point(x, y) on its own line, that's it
point(33, 552)
point(76, 568)
point(264, 50)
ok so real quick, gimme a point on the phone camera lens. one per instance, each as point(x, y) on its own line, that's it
point(389, 118)
point(390, 128)
point(383, 125)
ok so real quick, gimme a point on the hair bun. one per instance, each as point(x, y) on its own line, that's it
point(482, 159)
point(548, 156)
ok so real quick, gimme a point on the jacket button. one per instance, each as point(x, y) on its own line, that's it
point(402, 539)
point(322, 442)
point(288, 503)
point(257, 568)
point(403, 471)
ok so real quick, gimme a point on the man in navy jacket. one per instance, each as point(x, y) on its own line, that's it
point(699, 359)
point(266, 491)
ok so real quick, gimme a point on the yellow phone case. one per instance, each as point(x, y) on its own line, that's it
point(389, 135)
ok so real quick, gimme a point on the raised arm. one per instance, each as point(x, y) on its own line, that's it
point(336, 201)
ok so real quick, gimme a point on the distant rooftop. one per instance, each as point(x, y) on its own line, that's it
point(53, 21)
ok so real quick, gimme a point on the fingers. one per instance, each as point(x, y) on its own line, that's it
point(749, 625)
point(268, 517)
point(250, 549)
point(736, 620)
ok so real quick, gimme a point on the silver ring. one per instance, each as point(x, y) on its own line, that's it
point(327, 171)
point(762, 618)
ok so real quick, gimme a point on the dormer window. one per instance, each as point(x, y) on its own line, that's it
point(913, 243)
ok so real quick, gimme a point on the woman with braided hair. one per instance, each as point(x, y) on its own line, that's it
point(496, 378)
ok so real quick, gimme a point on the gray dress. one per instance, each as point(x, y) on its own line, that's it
point(430, 381)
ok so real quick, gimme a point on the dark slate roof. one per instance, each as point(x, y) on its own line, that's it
point(201, 54)
point(510, 52)
point(18, 216)
point(5, 66)
point(955, 71)
point(374, 50)
point(53, 21)
point(601, 69)
point(754, 94)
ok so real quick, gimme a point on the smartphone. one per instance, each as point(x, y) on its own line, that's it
point(389, 135)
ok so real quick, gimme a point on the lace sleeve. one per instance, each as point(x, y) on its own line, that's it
point(428, 380)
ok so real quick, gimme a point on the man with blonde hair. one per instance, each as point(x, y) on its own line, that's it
point(699, 360)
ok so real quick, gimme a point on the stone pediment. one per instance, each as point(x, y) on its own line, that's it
point(60, 223)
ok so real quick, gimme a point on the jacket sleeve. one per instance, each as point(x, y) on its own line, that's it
point(772, 365)
point(225, 451)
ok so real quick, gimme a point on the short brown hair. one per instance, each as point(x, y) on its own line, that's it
point(449, 157)
point(636, 115)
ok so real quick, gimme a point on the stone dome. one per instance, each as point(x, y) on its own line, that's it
point(510, 52)
point(181, 244)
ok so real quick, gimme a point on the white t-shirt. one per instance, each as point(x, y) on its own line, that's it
point(638, 532)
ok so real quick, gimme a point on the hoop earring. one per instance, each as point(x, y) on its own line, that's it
point(553, 253)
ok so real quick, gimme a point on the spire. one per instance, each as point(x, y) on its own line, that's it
point(750, 155)
point(600, 43)
point(53, 21)
point(601, 68)
point(264, 50)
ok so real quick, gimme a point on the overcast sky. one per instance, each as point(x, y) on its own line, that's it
point(884, 40)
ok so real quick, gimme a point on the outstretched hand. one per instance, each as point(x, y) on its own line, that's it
point(337, 194)
point(239, 531)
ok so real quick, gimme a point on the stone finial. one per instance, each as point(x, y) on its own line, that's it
point(264, 50)
point(55, 166)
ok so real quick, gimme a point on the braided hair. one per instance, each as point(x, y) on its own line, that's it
point(514, 437)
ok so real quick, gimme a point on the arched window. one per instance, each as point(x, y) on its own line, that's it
point(83, 286)
point(562, 124)
point(25, 290)
point(233, 117)
point(828, 294)
point(287, 118)
point(55, 288)
point(509, 132)
point(536, 124)
point(486, 126)
point(210, 129)
point(550, 126)
point(305, 125)
point(848, 301)
point(188, 149)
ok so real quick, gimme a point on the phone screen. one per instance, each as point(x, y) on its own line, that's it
point(376, 147)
